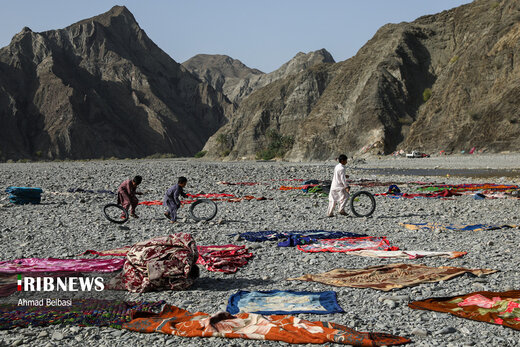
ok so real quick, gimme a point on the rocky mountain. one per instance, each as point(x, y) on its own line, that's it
point(447, 81)
point(101, 88)
point(237, 81)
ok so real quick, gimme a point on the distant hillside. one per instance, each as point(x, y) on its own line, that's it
point(237, 81)
point(101, 88)
point(449, 81)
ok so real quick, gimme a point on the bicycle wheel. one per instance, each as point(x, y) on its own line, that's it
point(115, 213)
point(203, 209)
point(362, 204)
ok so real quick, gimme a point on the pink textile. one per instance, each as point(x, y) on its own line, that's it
point(28, 265)
point(166, 262)
point(480, 301)
point(225, 258)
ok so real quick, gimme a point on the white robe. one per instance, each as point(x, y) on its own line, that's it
point(338, 190)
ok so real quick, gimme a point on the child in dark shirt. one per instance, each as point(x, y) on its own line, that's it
point(171, 198)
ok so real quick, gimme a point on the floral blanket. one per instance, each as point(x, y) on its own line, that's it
point(348, 244)
point(166, 262)
point(388, 277)
point(223, 258)
point(176, 321)
point(501, 308)
point(218, 258)
point(283, 302)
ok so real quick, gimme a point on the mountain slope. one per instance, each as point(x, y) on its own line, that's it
point(379, 100)
point(237, 81)
point(101, 88)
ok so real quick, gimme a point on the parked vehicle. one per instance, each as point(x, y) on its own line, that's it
point(417, 154)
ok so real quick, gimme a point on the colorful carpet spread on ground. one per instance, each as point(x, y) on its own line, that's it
point(455, 227)
point(84, 312)
point(501, 308)
point(293, 238)
point(224, 258)
point(407, 254)
point(214, 197)
point(348, 244)
point(29, 265)
point(176, 321)
point(467, 187)
point(442, 194)
point(388, 277)
point(218, 258)
point(283, 302)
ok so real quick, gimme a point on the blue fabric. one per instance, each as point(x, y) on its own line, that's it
point(393, 189)
point(294, 238)
point(283, 302)
point(24, 195)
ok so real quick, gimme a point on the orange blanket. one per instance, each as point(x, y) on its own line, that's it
point(176, 321)
point(491, 307)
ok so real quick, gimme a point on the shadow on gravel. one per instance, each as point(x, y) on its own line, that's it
point(220, 284)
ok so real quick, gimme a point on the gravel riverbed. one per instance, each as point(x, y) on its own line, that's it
point(66, 224)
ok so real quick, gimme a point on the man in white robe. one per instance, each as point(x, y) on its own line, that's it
point(339, 189)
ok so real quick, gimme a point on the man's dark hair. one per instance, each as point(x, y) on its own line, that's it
point(182, 179)
point(342, 157)
point(137, 179)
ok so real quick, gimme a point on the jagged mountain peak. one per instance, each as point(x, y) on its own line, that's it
point(101, 88)
point(108, 18)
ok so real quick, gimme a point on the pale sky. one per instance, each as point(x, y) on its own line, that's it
point(262, 34)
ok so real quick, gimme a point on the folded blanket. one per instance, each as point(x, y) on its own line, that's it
point(24, 195)
point(218, 258)
point(455, 227)
point(407, 254)
point(225, 258)
point(84, 312)
point(388, 277)
point(283, 302)
point(29, 265)
point(348, 244)
point(501, 308)
point(176, 321)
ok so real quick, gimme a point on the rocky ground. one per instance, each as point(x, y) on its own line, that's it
point(66, 224)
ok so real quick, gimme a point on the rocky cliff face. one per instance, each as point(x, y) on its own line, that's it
point(447, 81)
point(237, 81)
point(101, 88)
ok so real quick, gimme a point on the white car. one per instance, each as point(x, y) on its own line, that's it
point(416, 154)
